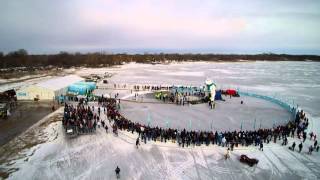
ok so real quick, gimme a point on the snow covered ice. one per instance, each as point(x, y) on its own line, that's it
point(95, 156)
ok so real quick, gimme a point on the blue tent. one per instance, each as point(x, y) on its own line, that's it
point(218, 95)
point(78, 89)
point(91, 85)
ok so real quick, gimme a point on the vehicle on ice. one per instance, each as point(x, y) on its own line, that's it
point(250, 161)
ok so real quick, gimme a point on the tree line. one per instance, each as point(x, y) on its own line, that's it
point(21, 58)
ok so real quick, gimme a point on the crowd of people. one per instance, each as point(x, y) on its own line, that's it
point(83, 119)
point(80, 118)
point(231, 139)
point(181, 95)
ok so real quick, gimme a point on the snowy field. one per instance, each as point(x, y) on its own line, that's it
point(95, 156)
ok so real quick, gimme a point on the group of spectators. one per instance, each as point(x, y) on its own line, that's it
point(182, 95)
point(83, 120)
point(302, 123)
point(226, 139)
point(80, 118)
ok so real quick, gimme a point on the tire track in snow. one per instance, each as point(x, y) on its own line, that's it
point(195, 164)
point(272, 165)
point(282, 162)
point(206, 161)
point(314, 169)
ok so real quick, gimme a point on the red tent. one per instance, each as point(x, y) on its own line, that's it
point(231, 92)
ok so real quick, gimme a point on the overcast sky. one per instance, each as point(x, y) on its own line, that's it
point(215, 26)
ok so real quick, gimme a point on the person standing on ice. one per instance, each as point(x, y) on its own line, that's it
point(304, 136)
point(300, 147)
point(137, 142)
point(311, 136)
point(310, 149)
point(261, 146)
point(223, 141)
point(293, 146)
point(285, 141)
point(106, 129)
point(98, 124)
point(227, 155)
point(117, 172)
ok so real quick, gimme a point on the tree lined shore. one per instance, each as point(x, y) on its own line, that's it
point(21, 58)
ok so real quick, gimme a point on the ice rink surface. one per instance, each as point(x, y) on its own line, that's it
point(228, 114)
point(96, 156)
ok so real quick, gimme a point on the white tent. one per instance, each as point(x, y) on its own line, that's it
point(48, 90)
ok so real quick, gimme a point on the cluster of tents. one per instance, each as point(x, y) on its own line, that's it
point(229, 92)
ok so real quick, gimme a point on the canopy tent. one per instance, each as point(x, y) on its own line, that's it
point(81, 88)
point(78, 89)
point(218, 95)
point(91, 85)
point(231, 92)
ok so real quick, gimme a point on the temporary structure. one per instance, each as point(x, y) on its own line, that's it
point(81, 88)
point(218, 95)
point(231, 92)
point(48, 90)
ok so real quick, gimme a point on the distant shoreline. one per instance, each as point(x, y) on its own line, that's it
point(14, 74)
point(19, 63)
point(21, 58)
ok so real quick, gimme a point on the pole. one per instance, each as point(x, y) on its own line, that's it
point(260, 124)
point(149, 118)
point(273, 123)
point(167, 122)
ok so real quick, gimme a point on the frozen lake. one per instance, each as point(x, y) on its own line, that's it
point(95, 156)
point(293, 82)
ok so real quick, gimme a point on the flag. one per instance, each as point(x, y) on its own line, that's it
point(241, 126)
point(254, 125)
